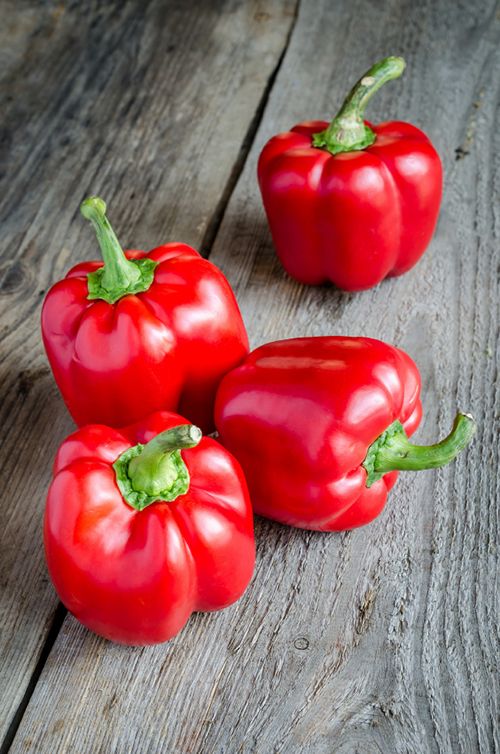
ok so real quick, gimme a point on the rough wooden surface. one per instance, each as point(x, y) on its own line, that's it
point(383, 639)
point(150, 105)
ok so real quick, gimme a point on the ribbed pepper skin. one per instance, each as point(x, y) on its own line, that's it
point(165, 348)
point(300, 415)
point(354, 218)
point(134, 576)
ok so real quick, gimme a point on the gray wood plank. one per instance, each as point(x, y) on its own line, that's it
point(150, 105)
point(383, 639)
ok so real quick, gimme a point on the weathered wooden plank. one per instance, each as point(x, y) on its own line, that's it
point(148, 104)
point(382, 639)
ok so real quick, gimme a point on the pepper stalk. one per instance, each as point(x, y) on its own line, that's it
point(119, 276)
point(348, 132)
point(156, 471)
point(392, 450)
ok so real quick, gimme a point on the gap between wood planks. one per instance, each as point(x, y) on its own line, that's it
point(218, 215)
point(55, 627)
point(205, 249)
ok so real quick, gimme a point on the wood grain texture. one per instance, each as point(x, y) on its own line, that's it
point(383, 639)
point(150, 105)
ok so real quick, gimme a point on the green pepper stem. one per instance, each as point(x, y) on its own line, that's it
point(392, 451)
point(156, 471)
point(118, 270)
point(348, 132)
point(152, 471)
point(119, 276)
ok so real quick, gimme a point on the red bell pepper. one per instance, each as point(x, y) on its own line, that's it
point(139, 535)
point(143, 332)
point(350, 202)
point(320, 426)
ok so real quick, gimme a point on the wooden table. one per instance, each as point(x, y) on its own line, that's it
point(383, 639)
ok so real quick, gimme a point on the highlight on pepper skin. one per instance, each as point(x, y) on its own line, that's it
point(145, 525)
point(321, 427)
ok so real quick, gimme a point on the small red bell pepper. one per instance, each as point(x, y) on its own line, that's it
point(143, 332)
point(146, 524)
point(320, 426)
point(350, 202)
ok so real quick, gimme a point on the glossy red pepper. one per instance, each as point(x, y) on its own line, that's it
point(141, 333)
point(350, 202)
point(320, 426)
point(139, 536)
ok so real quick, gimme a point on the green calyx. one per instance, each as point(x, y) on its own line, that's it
point(120, 276)
point(392, 450)
point(348, 132)
point(156, 471)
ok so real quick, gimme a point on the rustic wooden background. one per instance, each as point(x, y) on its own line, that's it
point(383, 639)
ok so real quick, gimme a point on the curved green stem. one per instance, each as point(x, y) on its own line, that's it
point(348, 132)
point(156, 471)
point(119, 276)
point(392, 451)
